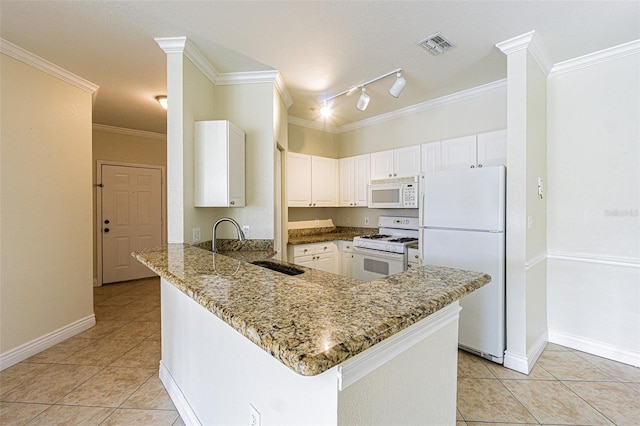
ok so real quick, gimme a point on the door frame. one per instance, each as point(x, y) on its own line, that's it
point(98, 186)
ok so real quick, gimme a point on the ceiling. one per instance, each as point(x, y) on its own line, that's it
point(320, 48)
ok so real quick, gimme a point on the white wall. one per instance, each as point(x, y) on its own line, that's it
point(46, 285)
point(593, 212)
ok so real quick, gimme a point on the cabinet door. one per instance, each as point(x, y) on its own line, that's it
point(308, 261)
point(327, 262)
point(431, 157)
point(492, 148)
point(236, 167)
point(382, 165)
point(459, 153)
point(361, 180)
point(324, 182)
point(406, 161)
point(299, 180)
point(347, 172)
point(346, 264)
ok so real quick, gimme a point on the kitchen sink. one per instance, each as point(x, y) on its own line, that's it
point(278, 267)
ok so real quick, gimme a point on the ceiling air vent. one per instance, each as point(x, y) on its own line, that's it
point(436, 44)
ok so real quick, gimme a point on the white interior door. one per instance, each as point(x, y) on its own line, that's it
point(131, 219)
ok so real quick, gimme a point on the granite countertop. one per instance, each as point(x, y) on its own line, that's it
point(313, 321)
point(332, 233)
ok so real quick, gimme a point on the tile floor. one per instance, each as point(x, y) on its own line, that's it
point(108, 375)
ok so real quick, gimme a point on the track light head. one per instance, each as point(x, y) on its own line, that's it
point(325, 110)
point(398, 85)
point(363, 101)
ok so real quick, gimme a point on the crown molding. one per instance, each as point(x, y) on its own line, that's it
point(185, 46)
point(532, 42)
point(129, 132)
point(323, 127)
point(516, 43)
point(595, 58)
point(171, 44)
point(35, 61)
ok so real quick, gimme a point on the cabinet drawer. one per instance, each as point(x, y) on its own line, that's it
point(302, 250)
point(345, 246)
point(414, 256)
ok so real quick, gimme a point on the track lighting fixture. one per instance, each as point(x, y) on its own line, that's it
point(398, 85)
point(363, 101)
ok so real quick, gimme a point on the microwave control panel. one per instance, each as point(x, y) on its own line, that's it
point(409, 195)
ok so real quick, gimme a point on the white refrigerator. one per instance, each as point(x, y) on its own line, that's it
point(463, 227)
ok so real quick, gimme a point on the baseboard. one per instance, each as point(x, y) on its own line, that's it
point(594, 347)
point(177, 397)
point(524, 364)
point(38, 345)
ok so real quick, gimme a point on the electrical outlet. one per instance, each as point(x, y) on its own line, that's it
point(246, 229)
point(196, 235)
point(254, 416)
point(366, 220)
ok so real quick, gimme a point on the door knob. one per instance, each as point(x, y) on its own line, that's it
point(106, 229)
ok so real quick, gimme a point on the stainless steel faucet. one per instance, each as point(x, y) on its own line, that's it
point(241, 236)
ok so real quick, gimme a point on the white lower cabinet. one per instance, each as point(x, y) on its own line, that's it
point(345, 249)
point(322, 256)
point(414, 258)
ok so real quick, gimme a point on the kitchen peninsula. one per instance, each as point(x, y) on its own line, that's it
point(242, 342)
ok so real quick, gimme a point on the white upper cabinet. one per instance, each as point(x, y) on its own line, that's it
point(312, 181)
point(324, 182)
point(299, 179)
point(459, 153)
point(361, 180)
point(483, 150)
point(431, 157)
point(492, 148)
point(219, 165)
point(354, 181)
point(396, 163)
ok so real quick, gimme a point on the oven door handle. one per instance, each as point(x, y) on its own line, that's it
point(378, 253)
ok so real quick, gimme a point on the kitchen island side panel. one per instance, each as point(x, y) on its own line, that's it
point(220, 372)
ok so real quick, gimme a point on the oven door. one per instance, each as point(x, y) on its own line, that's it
point(369, 265)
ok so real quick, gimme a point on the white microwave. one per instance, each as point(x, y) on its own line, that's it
point(394, 193)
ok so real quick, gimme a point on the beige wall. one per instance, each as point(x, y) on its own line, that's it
point(482, 113)
point(193, 97)
point(124, 148)
point(312, 142)
point(45, 223)
point(251, 107)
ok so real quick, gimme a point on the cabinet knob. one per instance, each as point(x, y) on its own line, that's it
point(232, 203)
point(416, 256)
point(479, 165)
point(389, 174)
point(395, 174)
point(106, 221)
point(106, 229)
point(310, 204)
point(473, 167)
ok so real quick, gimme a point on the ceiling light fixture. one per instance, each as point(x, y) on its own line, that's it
point(398, 85)
point(163, 101)
point(325, 110)
point(363, 101)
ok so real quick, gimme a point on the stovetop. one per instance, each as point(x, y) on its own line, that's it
point(394, 236)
